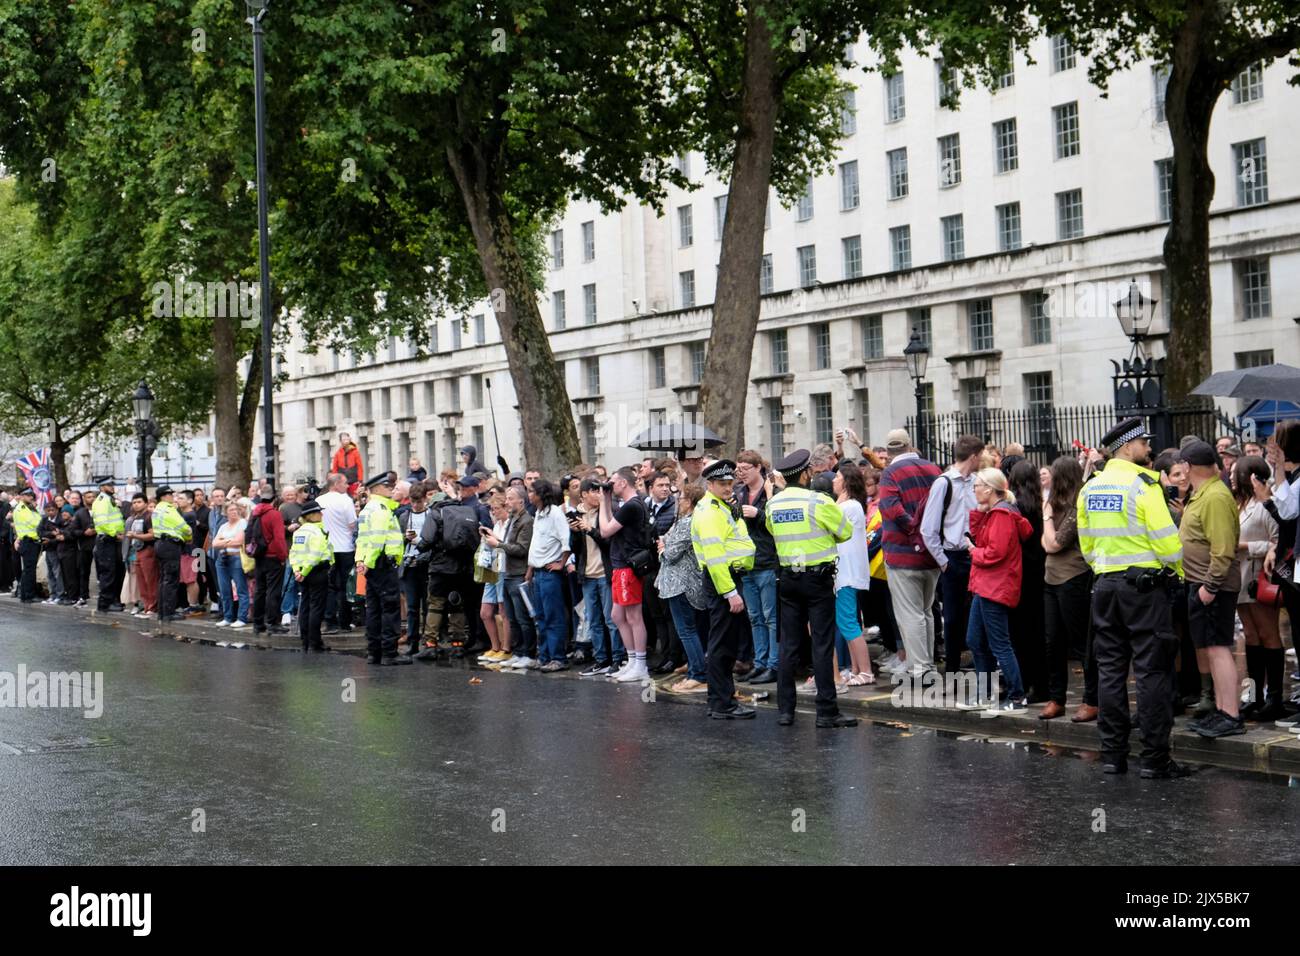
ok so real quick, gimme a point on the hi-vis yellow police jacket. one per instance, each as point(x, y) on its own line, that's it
point(311, 548)
point(806, 526)
point(720, 542)
point(1124, 521)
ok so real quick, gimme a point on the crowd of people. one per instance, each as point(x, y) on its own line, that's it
point(678, 565)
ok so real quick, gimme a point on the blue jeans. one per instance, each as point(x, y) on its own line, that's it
point(606, 645)
point(551, 606)
point(684, 618)
point(289, 605)
point(758, 589)
point(988, 637)
point(230, 570)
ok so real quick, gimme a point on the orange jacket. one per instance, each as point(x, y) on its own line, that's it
point(349, 457)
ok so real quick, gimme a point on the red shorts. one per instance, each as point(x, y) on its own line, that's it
point(626, 587)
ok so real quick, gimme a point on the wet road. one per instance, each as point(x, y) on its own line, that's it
point(425, 767)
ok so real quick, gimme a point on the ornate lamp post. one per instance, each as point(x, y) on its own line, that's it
point(146, 430)
point(917, 355)
point(1139, 381)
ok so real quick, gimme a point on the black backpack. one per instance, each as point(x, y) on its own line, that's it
point(460, 526)
point(254, 539)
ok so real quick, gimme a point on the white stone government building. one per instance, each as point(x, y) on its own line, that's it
point(1002, 232)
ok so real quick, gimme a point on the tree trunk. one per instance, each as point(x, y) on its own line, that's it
point(59, 459)
point(550, 436)
point(724, 390)
point(1195, 84)
point(231, 437)
point(248, 404)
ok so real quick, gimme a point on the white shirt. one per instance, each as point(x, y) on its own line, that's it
point(952, 535)
point(854, 569)
point(1286, 495)
point(550, 537)
point(340, 520)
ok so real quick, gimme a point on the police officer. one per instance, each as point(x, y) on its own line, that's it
point(721, 543)
point(310, 558)
point(379, 552)
point(170, 532)
point(27, 543)
point(1129, 538)
point(110, 528)
point(806, 526)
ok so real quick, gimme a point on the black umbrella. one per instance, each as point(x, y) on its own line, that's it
point(676, 438)
point(1265, 381)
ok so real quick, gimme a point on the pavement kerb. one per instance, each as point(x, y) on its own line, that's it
point(1262, 748)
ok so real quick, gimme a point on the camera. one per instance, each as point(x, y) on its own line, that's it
point(605, 485)
point(310, 487)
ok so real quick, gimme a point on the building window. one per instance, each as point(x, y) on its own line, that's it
point(1160, 83)
point(589, 304)
point(823, 424)
point(477, 434)
point(807, 265)
point(453, 394)
point(1065, 121)
point(946, 81)
point(873, 338)
point(779, 348)
point(1251, 165)
point(849, 186)
point(684, 164)
point(658, 368)
point(591, 375)
point(1164, 189)
point(1040, 319)
point(1248, 85)
point(1069, 214)
point(849, 113)
point(1256, 296)
point(954, 237)
point(896, 159)
point(1254, 359)
point(900, 247)
point(775, 428)
point(386, 404)
point(804, 208)
point(949, 160)
point(433, 337)
point(1006, 151)
point(979, 322)
point(685, 226)
point(821, 337)
point(895, 98)
point(1008, 79)
point(1063, 55)
point(719, 216)
point(975, 401)
point(557, 249)
point(927, 399)
point(765, 281)
point(476, 391)
point(1008, 217)
point(852, 247)
point(455, 334)
point(918, 324)
point(588, 241)
point(430, 451)
point(558, 310)
point(698, 355)
point(1041, 405)
point(658, 416)
point(480, 330)
point(687, 282)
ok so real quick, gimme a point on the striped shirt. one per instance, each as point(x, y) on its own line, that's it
point(904, 488)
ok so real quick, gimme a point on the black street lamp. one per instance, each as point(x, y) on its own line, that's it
point(917, 355)
point(1139, 381)
point(256, 11)
point(146, 430)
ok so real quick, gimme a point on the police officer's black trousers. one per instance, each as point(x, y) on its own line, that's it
point(268, 573)
point(29, 553)
point(383, 608)
point(725, 631)
point(1131, 626)
point(110, 571)
point(167, 551)
point(311, 606)
point(807, 600)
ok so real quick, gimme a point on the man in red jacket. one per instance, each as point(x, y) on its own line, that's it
point(265, 536)
point(347, 462)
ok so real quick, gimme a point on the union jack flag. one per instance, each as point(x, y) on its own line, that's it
point(35, 466)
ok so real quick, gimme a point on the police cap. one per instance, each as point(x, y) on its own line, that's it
point(381, 479)
point(795, 462)
point(312, 507)
point(1123, 433)
point(163, 492)
point(724, 470)
point(103, 479)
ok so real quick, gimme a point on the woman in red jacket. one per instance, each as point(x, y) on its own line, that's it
point(996, 529)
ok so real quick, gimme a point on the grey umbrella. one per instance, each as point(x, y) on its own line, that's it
point(1266, 381)
point(676, 438)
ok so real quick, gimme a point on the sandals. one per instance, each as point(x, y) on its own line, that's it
point(860, 680)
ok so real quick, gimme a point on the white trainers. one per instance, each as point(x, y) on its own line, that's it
point(236, 625)
point(286, 619)
point(523, 663)
point(214, 607)
point(223, 624)
point(636, 671)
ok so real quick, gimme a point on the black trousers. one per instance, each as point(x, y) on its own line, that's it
point(168, 554)
point(807, 601)
point(269, 575)
point(338, 609)
point(1129, 626)
point(383, 609)
point(71, 570)
point(1065, 613)
point(29, 554)
point(8, 561)
point(669, 644)
point(415, 588)
point(85, 564)
point(311, 606)
point(724, 642)
point(110, 571)
point(955, 595)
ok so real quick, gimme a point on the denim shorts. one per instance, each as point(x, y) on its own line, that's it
point(494, 592)
point(846, 613)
